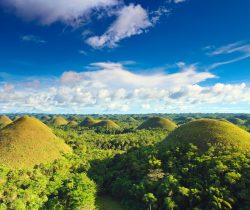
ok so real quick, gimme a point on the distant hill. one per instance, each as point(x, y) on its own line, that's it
point(16, 118)
point(236, 121)
point(58, 120)
point(4, 120)
point(106, 124)
point(88, 121)
point(73, 122)
point(27, 142)
point(158, 122)
point(207, 131)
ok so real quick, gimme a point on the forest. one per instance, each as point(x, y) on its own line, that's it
point(136, 162)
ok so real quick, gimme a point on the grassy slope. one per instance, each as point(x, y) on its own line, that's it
point(27, 142)
point(88, 121)
point(106, 124)
point(158, 122)
point(4, 120)
point(203, 131)
point(59, 121)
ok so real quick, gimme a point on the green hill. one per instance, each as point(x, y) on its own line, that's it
point(106, 124)
point(4, 120)
point(16, 118)
point(73, 122)
point(131, 119)
point(158, 122)
point(27, 142)
point(58, 120)
point(207, 131)
point(88, 121)
point(236, 121)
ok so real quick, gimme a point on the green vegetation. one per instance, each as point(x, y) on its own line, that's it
point(58, 120)
point(158, 122)
point(236, 121)
point(202, 164)
point(206, 131)
point(72, 122)
point(27, 142)
point(4, 120)
point(88, 121)
point(178, 178)
point(61, 185)
point(108, 124)
point(107, 203)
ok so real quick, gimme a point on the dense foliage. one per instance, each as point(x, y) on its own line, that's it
point(61, 185)
point(132, 166)
point(180, 178)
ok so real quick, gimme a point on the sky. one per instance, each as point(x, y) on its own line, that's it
point(131, 56)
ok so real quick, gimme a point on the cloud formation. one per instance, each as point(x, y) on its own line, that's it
point(131, 20)
point(240, 50)
point(47, 11)
point(33, 38)
point(110, 87)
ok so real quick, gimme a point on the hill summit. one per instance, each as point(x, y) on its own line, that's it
point(4, 120)
point(158, 122)
point(88, 121)
point(106, 124)
point(207, 131)
point(27, 142)
point(58, 120)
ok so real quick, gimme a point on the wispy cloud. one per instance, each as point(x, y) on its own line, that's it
point(82, 52)
point(240, 50)
point(33, 38)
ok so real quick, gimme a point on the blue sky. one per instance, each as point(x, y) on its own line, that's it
point(112, 56)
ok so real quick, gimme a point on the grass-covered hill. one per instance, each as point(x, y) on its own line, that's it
point(91, 122)
point(16, 118)
point(207, 131)
point(158, 122)
point(58, 120)
point(108, 124)
point(27, 142)
point(4, 120)
point(236, 121)
point(72, 122)
point(88, 121)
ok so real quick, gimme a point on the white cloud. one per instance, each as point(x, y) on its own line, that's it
point(110, 87)
point(179, 1)
point(33, 38)
point(131, 20)
point(240, 50)
point(50, 11)
point(230, 48)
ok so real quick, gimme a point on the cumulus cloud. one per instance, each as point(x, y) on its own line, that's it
point(48, 11)
point(110, 87)
point(131, 20)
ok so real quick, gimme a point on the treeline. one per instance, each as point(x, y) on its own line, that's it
point(113, 141)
